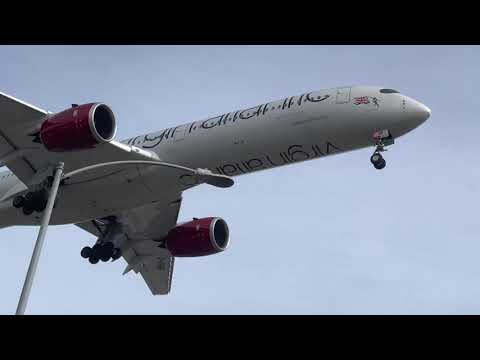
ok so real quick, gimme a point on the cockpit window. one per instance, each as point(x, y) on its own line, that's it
point(388, 91)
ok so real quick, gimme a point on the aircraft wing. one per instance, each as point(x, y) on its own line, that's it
point(142, 228)
point(17, 119)
point(25, 158)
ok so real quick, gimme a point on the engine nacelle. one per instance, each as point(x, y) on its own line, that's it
point(78, 128)
point(199, 237)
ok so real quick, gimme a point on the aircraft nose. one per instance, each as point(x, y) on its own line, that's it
point(422, 111)
point(417, 113)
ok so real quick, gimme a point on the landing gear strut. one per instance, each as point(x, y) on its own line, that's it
point(382, 139)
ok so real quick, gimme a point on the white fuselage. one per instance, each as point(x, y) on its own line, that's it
point(290, 130)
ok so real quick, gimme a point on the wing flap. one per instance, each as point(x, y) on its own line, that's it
point(154, 264)
point(142, 228)
point(158, 276)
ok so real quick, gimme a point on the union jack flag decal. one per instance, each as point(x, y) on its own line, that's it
point(361, 100)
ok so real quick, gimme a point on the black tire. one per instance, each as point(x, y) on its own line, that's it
point(105, 257)
point(40, 205)
point(93, 259)
point(31, 201)
point(41, 200)
point(96, 250)
point(27, 210)
point(376, 158)
point(106, 251)
point(29, 196)
point(108, 248)
point(86, 252)
point(18, 201)
point(380, 165)
point(43, 194)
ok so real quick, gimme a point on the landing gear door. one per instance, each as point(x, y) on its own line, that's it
point(343, 95)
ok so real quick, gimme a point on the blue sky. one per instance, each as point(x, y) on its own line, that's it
point(328, 236)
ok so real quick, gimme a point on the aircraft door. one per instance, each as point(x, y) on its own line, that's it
point(343, 95)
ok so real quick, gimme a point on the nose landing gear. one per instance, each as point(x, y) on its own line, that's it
point(378, 161)
point(382, 138)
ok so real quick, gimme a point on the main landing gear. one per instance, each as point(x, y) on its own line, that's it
point(382, 138)
point(105, 248)
point(104, 252)
point(32, 201)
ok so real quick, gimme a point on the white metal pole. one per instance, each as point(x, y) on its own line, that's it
point(27, 285)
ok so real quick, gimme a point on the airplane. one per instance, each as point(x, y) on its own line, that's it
point(128, 193)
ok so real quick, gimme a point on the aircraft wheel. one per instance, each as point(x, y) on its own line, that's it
point(93, 259)
point(95, 254)
point(27, 210)
point(106, 251)
point(378, 161)
point(18, 201)
point(40, 206)
point(96, 251)
point(41, 200)
point(108, 248)
point(105, 257)
point(86, 252)
point(376, 158)
point(43, 194)
point(380, 165)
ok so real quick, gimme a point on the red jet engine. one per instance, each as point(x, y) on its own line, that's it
point(78, 128)
point(199, 237)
